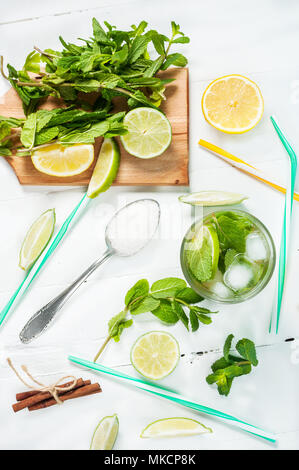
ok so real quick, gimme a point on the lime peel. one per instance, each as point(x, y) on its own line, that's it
point(174, 427)
point(105, 433)
point(106, 168)
point(37, 238)
point(213, 198)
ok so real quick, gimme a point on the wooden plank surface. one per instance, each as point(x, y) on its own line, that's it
point(170, 168)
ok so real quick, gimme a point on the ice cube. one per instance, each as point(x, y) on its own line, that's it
point(256, 248)
point(217, 287)
point(221, 290)
point(239, 274)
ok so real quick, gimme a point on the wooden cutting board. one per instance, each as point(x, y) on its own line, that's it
point(170, 168)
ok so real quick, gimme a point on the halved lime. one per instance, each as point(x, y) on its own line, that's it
point(213, 198)
point(106, 168)
point(203, 252)
point(149, 132)
point(174, 427)
point(37, 239)
point(155, 354)
point(105, 433)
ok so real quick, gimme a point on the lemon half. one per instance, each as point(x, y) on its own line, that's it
point(233, 104)
point(58, 160)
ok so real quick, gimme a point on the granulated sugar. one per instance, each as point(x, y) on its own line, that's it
point(133, 226)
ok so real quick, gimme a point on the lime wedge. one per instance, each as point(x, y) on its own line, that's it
point(155, 354)
point(105, 433)
point(203, 253)
point(37, 239)
point(149, 132)
point(106, 168)
point(174, 427)
point(213, 198)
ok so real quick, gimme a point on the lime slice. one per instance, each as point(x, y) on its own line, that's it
point(149, 133)
point(37, 239)
point(155, 354)
point(213, 198)
point(203, 253)
point(106, 168)
point(174, 427)
point(105, 433)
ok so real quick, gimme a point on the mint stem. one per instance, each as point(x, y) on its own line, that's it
point(102, 348)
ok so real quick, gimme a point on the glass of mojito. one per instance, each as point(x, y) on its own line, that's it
point(228, 256)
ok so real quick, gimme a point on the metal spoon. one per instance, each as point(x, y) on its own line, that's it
point(129, 230)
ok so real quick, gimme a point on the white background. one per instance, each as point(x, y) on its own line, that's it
point(257, 39)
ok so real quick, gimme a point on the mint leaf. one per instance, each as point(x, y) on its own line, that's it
point(140, 289)
point(117, 324)
point(193, 321)
point(166, 313)
point(179, 60)
point(221, 363)
point(199, 259)
point(203, 318)
point(189, 296)
point(229, 257)
point(180, 313)
point(167, 287)
point(146, 305)
point(232, 230)
point(198, 309)
point(115, 321)
point(138, 47)
point(227, 346)
point(28, 131)
point(122, 326)
point(98, 32)
point(32, 62)
point(246, 349)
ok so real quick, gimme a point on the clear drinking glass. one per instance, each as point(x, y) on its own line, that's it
point(248, 272)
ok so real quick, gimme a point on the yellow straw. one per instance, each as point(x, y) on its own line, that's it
point(239, 164)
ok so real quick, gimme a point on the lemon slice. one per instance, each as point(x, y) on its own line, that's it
point(155, 354)
point(58, 160)
point(233, 104)
point(106, 168)
point(37, 239)
point(149, 132)
point(212, 198)
point(105, 433)
point(174, 427)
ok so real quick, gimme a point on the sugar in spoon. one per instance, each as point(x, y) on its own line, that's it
point(129, 230)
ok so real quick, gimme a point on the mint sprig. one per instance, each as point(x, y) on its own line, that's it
point(229, 366)
point(167, 299)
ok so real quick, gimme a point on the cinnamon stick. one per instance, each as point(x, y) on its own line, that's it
point(23, 395)
point(89, 389)
point(41, 396)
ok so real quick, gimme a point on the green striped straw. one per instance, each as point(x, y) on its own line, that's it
point(163, 392)
point(33, 272)
point(287, 218)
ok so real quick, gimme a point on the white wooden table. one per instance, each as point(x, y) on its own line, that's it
point(257, 39)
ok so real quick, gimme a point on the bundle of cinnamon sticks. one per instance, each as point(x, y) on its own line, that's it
point(36, 400)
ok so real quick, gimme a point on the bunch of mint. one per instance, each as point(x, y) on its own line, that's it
point(61, 125)
point(166, 299)
point(112, 61)
point(229, 366)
